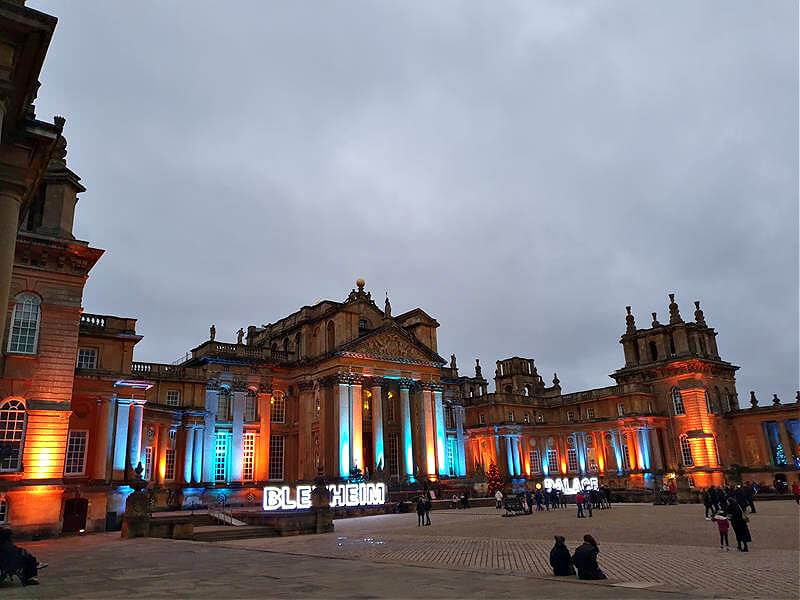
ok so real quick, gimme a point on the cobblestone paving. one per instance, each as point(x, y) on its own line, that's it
point(689, 568)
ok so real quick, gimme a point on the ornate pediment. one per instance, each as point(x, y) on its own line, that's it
point(391, 345)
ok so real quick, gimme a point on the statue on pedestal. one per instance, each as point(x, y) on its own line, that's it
point(136, 520)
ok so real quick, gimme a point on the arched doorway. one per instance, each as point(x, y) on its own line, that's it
point(75, 510)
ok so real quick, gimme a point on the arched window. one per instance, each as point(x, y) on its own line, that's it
point(677, 402)
point(686, 452)
point(24, 334)
point(277, 412)
point(250, 406)
point(709, 405)
point(330, 337)
point(12, 435)
point(3, 510)
point(223, 405)
point(286, 344)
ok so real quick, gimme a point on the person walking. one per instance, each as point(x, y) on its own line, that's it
point(538, 496)
point(498, 500)
point(723, 524)
point(428, 506)
point(579, 502)
point(708, 504)
point(585, 559)
point(560, 559)
point(739, 524)
point(607, 494)
point(420, 511)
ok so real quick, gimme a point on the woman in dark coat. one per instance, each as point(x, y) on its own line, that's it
point(739, 524)
point(560, 559)
point(585, 559)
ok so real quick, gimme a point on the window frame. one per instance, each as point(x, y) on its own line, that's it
point(273, 459)
point(590, 412)
point(570, 416)
point(572, 459)
point(677, 400)
point(536, 461)
point(686, 450)
point(4, 433)
point(177, 395)
point(249, 445)
point(277, 406)
point(169, 465)
point(19, 301)
point(82, 472)
point(620, 409)
point(95, 362)
point(4, 510)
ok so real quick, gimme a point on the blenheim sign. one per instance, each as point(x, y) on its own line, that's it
point(342, 494)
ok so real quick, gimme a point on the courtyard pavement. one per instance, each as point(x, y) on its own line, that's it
point(647, 552)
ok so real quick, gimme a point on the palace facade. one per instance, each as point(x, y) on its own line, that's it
point(341, 387)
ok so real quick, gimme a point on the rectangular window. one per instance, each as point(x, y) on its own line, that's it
point(248, 456)
point(572, 459)
point(570, 415)
point(394, 463)
point(552, 460)
point(590, 413)
point(87, 358)
point(3, 510)
point(173, 398)
point(276, 445)
point(540, 418)
point(221, 457)
point(451, 456)
point(536, 462)
point(481, 419)
point(527, 417)
point(75, 461)
point(250, 404)
point(277, 413)
point(511, 417)
point(223, 405)
point(148, 463)
point(24, 325)
point(450, 417)
point(169, 465)
point(621, 409)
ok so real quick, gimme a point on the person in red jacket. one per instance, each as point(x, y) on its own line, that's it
point(579, 499)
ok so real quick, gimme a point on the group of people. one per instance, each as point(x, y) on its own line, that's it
point(588, 499)
point(733, 515)
point(545, 500)
point(424, 503)
point(716, 499)
point(584, 559)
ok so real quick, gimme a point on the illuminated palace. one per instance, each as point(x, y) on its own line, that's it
point(342, 387)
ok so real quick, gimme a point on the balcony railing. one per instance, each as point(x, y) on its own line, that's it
point(160, 370)
point(241, 351)
point(90, 321)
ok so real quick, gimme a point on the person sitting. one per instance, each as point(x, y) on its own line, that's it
point(560, 559)
point(16, 560)
point(585, 559)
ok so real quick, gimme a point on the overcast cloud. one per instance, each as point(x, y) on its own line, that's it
point(520, 170)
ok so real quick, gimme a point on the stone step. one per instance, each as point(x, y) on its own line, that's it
point(218, 533)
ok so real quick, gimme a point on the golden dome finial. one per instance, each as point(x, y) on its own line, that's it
point(360, 284)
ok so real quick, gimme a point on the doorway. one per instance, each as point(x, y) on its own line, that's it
point(75, 510)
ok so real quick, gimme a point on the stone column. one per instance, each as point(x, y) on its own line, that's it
point(10, 202)
point(377, 426)
point(105, 434)
point(407, 445)
point(356, 442)
point(515, 449)
point(160, 459)
point(209, 439)
point(462, 460)
point(120, 439)
point(188, 453)
point(510, 455)
point(262, 460)
point(135, 436)
point(655, 446)
point(344, 430)
point(429, 437)
point(197, 458)
point(617, 449)
point(441, 432)
point(237, 438)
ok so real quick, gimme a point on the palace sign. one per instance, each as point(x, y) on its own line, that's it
point(343, 494)
point(563, 484)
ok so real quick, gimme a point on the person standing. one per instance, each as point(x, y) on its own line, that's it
point(579, 502)
point(498, 500)
point(723, 524)
point(546, 496)
point(428, 506)
point(707, 503)
point(420, 511)
point(560, 559)
point(538, 497)
point(587, 500)
point(563, 498)
point(749, 493)
point(585, 559)
point(739, 524)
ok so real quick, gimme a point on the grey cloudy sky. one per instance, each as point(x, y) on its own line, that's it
point(520, 170)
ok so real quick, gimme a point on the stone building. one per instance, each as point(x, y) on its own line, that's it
point(342, 387)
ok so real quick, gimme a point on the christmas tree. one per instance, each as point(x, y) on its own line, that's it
point(494, 479)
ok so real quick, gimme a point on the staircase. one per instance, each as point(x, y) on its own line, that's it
point(220, 533)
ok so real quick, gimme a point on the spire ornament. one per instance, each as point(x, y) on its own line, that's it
point(674, 311)
point(699, 317)
point(630, 321)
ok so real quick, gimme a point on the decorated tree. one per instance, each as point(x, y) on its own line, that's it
point(494, 479)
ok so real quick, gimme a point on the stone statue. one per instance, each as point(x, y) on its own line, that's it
point(478, 368)
point(387, 308)
point(213, 332)
point(453, 362)
point(239, 335)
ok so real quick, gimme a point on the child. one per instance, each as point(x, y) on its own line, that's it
point(723, 524)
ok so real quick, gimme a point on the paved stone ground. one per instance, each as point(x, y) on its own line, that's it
point(648, 552)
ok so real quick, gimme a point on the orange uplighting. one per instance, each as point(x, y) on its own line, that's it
point(601, 462)
point(563, 466)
